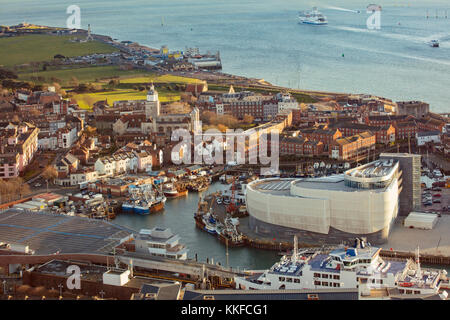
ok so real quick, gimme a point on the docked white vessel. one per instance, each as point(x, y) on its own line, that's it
point(313, 17)
point(359, 266)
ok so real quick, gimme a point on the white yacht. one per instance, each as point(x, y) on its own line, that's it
point(313, 17)
point(359, 266)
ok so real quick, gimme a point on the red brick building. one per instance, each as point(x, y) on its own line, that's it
point(300, 146)
point(324, 135)
point(407, 129)
point(383, 133)
point(347, 148)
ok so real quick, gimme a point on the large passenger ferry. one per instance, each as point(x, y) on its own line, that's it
point(357, 266)
point(312, 17)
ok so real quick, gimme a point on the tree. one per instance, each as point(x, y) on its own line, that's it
point(49, 173)
point(13, 189)
point(248, 119)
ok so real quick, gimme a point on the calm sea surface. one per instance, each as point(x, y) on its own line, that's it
point(262, 39)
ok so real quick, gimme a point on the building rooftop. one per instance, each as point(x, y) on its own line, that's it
point(47, 233)
point(374, 169)
point(320, 294)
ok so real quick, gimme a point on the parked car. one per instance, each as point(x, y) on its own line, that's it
point(37, 185)
point(437, 195)
point(437, 201)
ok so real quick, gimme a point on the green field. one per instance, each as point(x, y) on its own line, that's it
point(166, 78)
point(37, 48)
point(89, 74)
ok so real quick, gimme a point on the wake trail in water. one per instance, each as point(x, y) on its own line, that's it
point(396, 36)
point(401, 55)
point(341, 9)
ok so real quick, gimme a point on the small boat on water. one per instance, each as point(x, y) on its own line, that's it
point(142, 207)
point(434, 43)
point(229, 234)
point(128, 206)
point(170, 191)
point(158, 204)
point(210, 224)
point(144, 199)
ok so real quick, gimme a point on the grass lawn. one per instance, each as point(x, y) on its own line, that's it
point(37, 48)
point(86, 100)
point(89, 74)
point(166, 78)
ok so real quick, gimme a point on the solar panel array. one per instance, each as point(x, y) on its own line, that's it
point(278, 185)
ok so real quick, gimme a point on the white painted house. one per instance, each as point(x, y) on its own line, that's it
point(428, 136)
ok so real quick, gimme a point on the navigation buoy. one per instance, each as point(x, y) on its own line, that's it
point(343, 55)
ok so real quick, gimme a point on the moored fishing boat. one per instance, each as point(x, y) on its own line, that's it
point(170, 191)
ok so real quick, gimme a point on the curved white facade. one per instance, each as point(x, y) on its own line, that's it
point(316, 205)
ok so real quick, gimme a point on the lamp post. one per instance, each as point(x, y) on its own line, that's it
point(60, 286)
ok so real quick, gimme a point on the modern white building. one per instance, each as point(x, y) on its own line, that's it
point(83, 176)
point(160, 242)
point(361, 202)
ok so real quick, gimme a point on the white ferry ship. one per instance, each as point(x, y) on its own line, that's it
point(359, 266)
point(313, 17)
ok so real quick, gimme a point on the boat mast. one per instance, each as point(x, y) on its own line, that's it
point(419, 271)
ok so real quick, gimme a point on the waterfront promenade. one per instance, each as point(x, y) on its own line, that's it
point(432, 242)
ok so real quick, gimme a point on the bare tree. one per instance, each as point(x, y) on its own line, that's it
point(49, 173)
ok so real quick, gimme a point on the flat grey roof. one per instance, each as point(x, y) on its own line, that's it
point(47, 233)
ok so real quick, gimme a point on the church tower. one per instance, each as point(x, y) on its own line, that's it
point(152, 105)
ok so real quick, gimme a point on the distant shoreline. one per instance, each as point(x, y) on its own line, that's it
point(216, 77)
